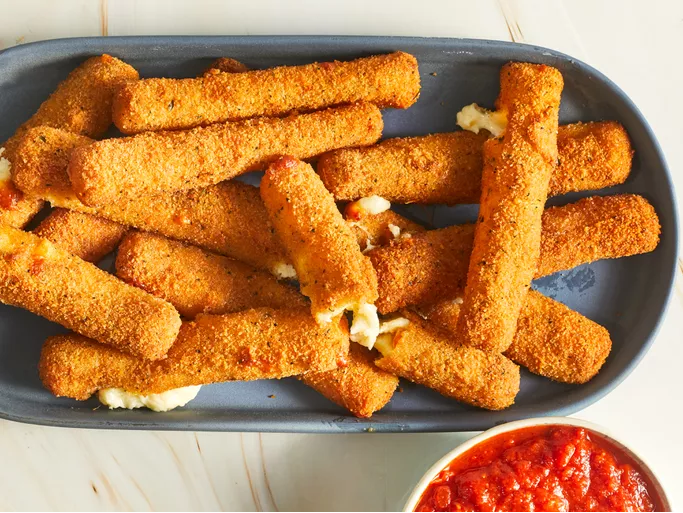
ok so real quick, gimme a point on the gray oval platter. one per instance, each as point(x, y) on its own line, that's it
point(627, 296)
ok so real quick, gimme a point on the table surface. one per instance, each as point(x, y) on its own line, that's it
point(633, 42)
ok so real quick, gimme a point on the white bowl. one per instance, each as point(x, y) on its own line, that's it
point(422, 485)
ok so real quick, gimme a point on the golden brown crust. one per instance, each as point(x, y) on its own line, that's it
point(83, 235)
point(425, 354)
point(195, 281)
point(375, 229)
point(226, 65)
point(424, 268)
point(432, 265)
point(551, 339)
point(21, 212)
point(228, 218)
point(254, 344)
point(130, 167)
point(514, 186)
point(331, 269)
point(596, 228)
point(591, 156)
point(48, 281)
point(359, 385)
point(437, 168)
point(446, 168)
point(81, 104)
point(168, 104)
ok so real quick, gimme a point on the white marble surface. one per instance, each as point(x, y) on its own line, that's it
point(635, 43)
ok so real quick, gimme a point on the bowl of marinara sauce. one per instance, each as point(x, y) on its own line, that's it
point(545, 464)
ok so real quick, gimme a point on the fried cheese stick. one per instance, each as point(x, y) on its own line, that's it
point(131, 167)
point(168, 104)
point(228, 218)
point(84, 235)
point(515, 178)
point(551, 340)
point(332, 271)
point(262, 343)
point(48, 281)
point(92, 237)
point(446, 168)
point(423, 353)
point(196, 281)
point(81, 104)
point(432, 266)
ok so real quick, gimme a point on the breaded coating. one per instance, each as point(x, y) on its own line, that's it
point(228, 218)
point(255, 344)
point(438, 168)
point(359, 386)
point(425, 354)
point(591, 156)
point(131, 167)
point(423, 268)
point(225, 65)
point(48, 281)
point(168, 104)
point(551, 340)
point(17, 210)
point(81, 104)
point(372, 230)
point(196, 281)
point(596, 228)
point(431, 266)
point(332, 271)
point(507, 236)
point(446, 168)
point(86, 236)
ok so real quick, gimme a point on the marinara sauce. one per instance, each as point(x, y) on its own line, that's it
point(542, 468)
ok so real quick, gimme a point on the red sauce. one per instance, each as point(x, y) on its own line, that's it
point(542, 468)
point(9, 195)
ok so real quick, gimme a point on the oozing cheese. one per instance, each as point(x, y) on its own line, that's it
point(165, 401)
point(385, 341)
point(373, 205)
point(283, 271)
point(475, 118)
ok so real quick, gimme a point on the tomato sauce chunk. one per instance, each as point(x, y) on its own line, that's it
point(542, 468)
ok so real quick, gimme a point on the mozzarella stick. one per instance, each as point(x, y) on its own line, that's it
point(48, 281)
point(195, 281)
point(446, 168)
point(332, 271)
point(111, 170)
point(81, 104)
point(551, 339)
point(83, 235)
point(431, 266)
point(262, 343)
point(91, 237)
point(228, 218)
point(507, 236)
point(596, 228)
point(423, 353)
point(168, 104)
point(359, 386)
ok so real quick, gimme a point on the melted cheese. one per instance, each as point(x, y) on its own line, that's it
point(365, 325)
point(165, 401)
point(283, 271)
point(475, 118)
point(385, 341)
point(373, 205)
point(5, 167)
